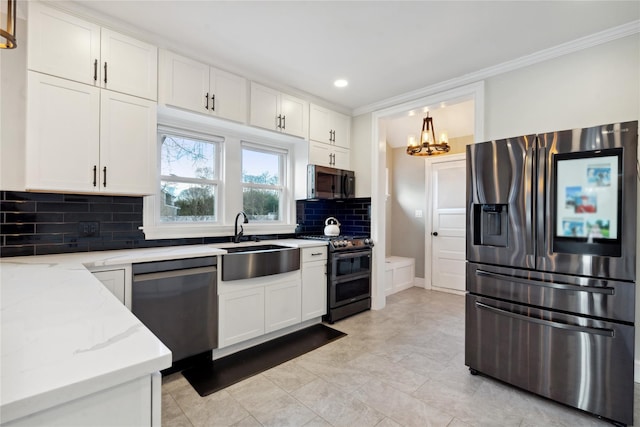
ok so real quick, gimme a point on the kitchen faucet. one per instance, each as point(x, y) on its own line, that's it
point(238, 235)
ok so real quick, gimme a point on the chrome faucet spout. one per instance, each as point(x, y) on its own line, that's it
point(237, 235)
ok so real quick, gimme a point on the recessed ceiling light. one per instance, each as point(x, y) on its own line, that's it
point(340, 83)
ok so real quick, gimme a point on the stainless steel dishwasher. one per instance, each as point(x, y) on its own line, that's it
point(178, 301)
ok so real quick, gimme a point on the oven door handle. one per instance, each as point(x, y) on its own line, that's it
point(352, 254)
point(554, 285)
point(350, 277)
point(574, 328)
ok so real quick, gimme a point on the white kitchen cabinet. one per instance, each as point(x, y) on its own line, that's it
point(128, 404)
point(192, 85)
point(117, 280)
point(241, 315)
point(113, 280)
point(314, 282)
point(329, 127)
point(282, 305)
point(84, 139)
point(328, 155)
point(271, 109)
point(66, 46)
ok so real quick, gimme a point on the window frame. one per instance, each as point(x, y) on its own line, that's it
point(216, 182)
point(229, 197)
point(283, 172)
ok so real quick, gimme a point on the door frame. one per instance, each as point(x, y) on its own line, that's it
point(428, 220)
point(473, 91)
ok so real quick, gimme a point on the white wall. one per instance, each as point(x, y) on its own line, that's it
point(591, 87)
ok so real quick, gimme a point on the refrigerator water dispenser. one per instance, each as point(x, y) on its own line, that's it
point(491, 225)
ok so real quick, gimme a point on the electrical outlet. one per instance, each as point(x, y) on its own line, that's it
point(88, 229)
point(418, 213)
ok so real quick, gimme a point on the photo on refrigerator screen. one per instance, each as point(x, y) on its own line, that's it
point(587, 189)
point(599, 175)
point(573, 228)
point(579, 201)
point(598, 228)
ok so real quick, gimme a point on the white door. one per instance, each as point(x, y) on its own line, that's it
point(229, 95)
point(184, 83)
point(448, 184)
point(63, 131)
point(264, 106)
point(128, 65)
point(127, 144)
point(295, 115)
point(319, 126)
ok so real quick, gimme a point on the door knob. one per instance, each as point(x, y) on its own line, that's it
point(435, 233)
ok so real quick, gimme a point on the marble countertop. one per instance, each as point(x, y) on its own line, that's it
point(64, 335)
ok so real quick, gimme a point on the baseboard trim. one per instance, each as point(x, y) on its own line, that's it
point(418, 282)
point(636, 371)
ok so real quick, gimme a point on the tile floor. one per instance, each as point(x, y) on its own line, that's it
point(400, 366)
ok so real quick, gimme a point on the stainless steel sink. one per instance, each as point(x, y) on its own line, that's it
point(247, 262)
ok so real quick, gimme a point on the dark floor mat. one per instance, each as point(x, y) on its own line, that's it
point(221, 373)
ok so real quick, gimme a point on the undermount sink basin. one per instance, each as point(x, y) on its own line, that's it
point(247, 262)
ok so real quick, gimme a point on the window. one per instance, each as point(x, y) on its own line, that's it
point(263, 182)
point(188, 179)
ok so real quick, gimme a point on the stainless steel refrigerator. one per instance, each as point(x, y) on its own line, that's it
point(551, 265)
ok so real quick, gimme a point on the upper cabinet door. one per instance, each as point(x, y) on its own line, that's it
point(341, 126)
point(128, 65)
point(63, 45)
point(228, 95)
point(63, 131)
point(184, 83)
point(295, 115)
point(127, 144)
point(265, 103)
point(319, 127)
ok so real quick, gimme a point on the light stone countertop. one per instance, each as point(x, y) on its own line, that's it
point(64, 335)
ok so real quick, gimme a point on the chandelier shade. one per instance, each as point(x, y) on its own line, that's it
point(426, 145)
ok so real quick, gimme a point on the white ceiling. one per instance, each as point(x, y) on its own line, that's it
point(384, 48)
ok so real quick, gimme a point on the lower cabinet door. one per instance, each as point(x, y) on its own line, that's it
point(114, 281)
point(282, 305)
point(314, 289)
point(241, 316)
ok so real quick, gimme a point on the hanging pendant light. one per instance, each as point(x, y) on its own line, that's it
point(427, 145)
point(8, 27)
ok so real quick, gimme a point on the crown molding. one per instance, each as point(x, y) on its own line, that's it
point(577, 45)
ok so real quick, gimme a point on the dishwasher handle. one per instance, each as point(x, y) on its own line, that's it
point(143, 277)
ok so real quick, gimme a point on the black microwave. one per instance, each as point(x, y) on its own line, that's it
point(330, 183)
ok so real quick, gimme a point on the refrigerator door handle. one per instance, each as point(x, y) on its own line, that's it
point(593, 331)
point(554, 285)
point(529, 206)
point(542, 217)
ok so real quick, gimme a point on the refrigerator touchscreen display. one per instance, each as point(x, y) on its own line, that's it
point(587, 197)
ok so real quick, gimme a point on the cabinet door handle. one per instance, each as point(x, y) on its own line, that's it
point(206, 97)
point(104, 176)
point(330, 135)
point(284, 122)
point(316, 254)
point(95, 173)
point(95, 70)
point(213, 102)
point(279, 124)
point(105, 72)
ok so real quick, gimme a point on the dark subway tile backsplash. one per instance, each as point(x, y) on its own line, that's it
point(354, 216)
point(43, 223)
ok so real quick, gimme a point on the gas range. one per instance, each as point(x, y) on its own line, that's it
point(343, 243)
